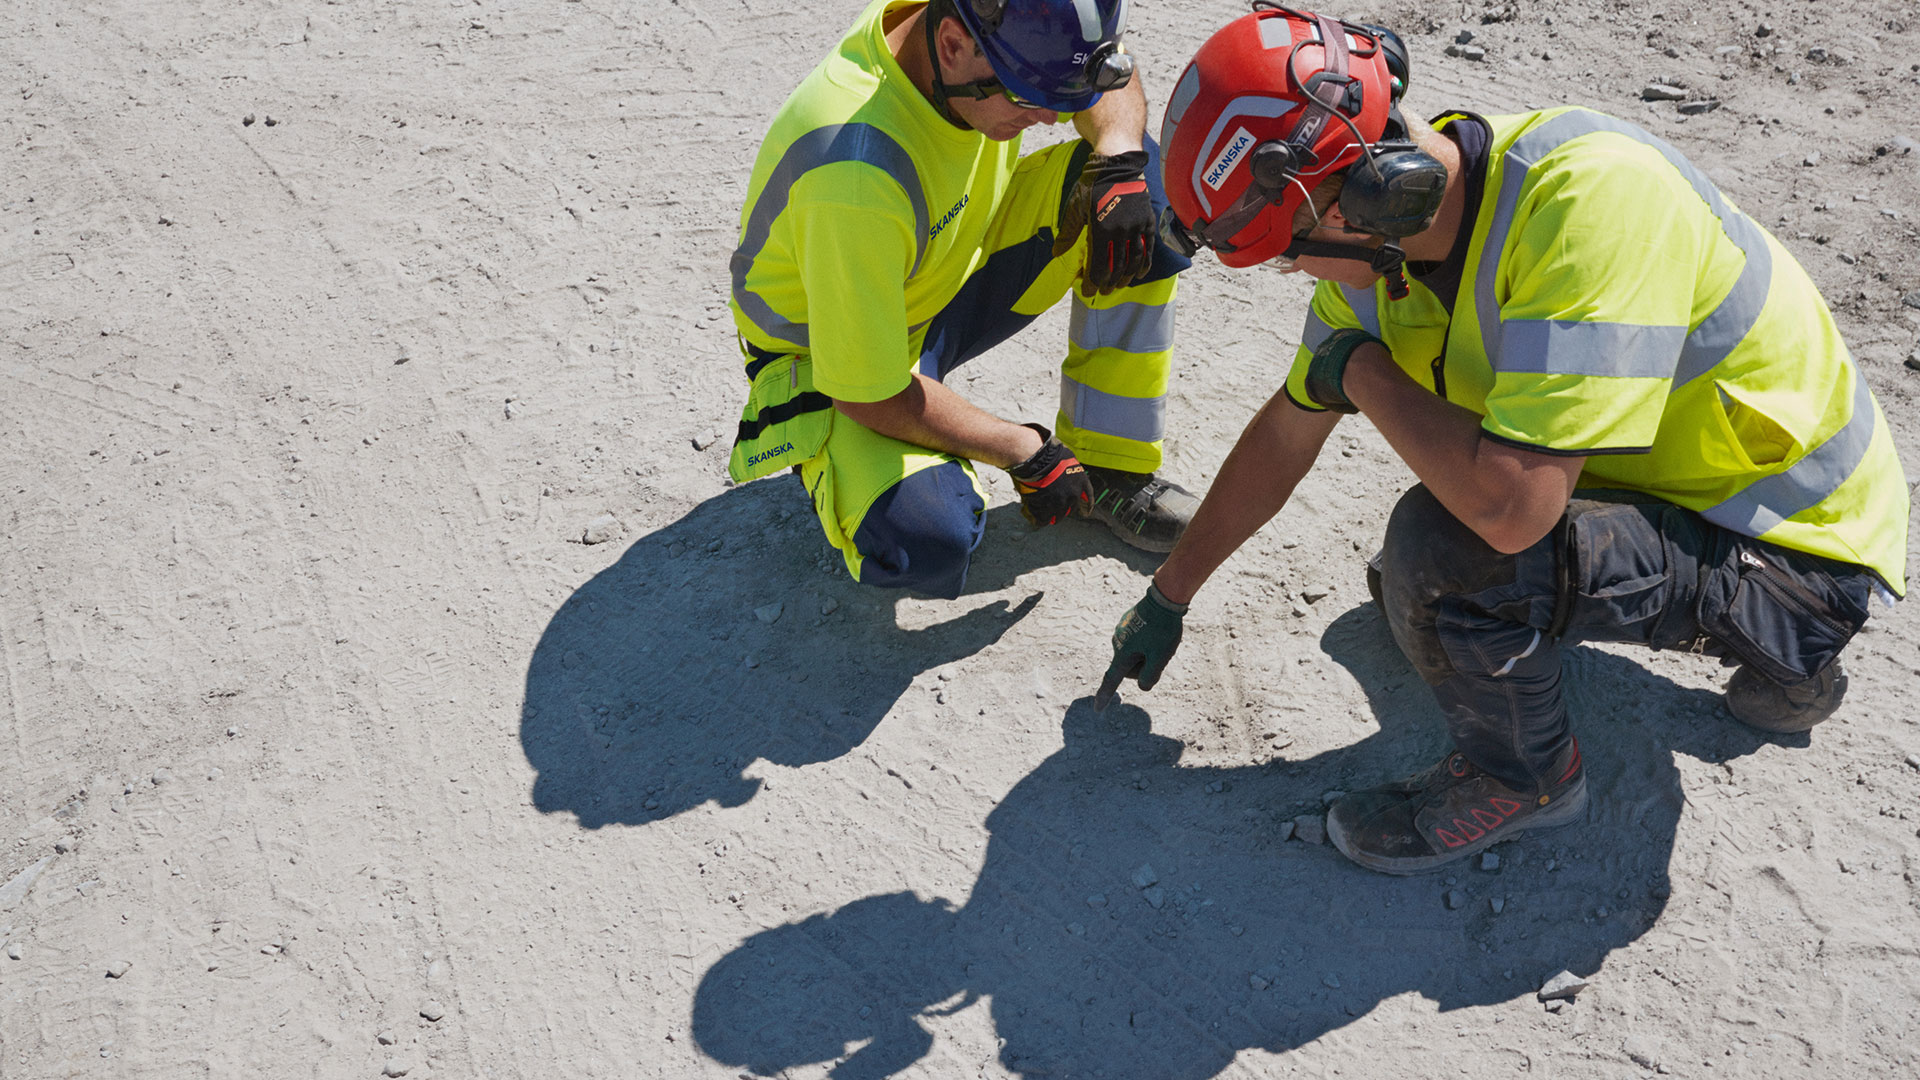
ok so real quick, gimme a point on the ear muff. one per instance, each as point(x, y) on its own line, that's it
point(1397, 194)
point(1399, 63)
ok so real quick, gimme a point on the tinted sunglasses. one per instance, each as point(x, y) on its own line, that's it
point(982, 89)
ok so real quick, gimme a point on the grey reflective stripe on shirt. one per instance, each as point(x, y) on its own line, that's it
point(1767, 502)
point(1140, 419)
point(1366, 310)
point(1136, 328)
point(827, 145)
point(1558, 347)
point(1729, 323)
point(1707, 345)
point(1316, 332)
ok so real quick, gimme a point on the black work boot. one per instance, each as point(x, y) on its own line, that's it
point(1447, 813)
point(1759, 702)
point(1144, 509)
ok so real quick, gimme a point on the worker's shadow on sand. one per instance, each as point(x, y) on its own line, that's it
point(1138, 918)
point(731, 636)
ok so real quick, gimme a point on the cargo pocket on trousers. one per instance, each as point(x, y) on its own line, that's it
point(1787, 616)
point(785, 421)
point(1621, 577)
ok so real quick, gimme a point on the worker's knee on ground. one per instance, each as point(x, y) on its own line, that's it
point(920, 533)
point(1429, 554)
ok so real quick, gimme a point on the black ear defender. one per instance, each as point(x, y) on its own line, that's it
point(1394, 191)
point(1399, 62)
point(1398, 194)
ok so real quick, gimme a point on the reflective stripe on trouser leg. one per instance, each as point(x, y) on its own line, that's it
point(1113, 384)
point(1114, 379)
point(851, 474)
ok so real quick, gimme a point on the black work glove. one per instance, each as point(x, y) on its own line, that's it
point(1110, 203)
point(1052, 483)
point(1329, 367)
point(1143, 642)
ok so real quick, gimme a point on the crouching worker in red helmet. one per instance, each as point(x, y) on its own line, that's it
point(1631, 415)
point(893, 231)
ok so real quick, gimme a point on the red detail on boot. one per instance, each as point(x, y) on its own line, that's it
point(1507, 807)
point(1448, 838)
point(1572, 768)
point(1474, 832)
point(1487, 817)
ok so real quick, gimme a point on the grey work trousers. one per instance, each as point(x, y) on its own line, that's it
point(1485, 629)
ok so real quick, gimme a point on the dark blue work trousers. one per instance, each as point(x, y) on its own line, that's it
point(1485, 629)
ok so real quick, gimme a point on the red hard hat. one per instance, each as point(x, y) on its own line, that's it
point(1265, 111)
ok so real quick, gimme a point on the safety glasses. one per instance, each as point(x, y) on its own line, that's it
point(1109, 68)
point(984, 89)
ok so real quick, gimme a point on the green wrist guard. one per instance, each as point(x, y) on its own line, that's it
point(1329, 367)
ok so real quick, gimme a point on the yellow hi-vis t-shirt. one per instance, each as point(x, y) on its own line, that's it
point(1616, 305)
point(865, 214)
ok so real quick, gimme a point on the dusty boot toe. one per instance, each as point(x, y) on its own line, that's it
point(1759, 702)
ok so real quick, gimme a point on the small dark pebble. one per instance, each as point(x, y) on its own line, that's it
point(247, 120)
point(271, 121)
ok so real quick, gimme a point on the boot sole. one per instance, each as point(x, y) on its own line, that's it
point(1569, 808)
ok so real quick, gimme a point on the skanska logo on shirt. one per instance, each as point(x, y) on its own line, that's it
point(948, 217)
point(1229, 156)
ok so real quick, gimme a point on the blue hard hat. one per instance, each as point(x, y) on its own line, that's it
point(1059, 54)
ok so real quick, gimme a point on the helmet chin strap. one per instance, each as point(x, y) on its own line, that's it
point(1388, 260)
point(940, 92)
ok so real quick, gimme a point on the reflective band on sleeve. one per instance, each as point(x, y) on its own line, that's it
point(1557, 347)
point(828, 145)
point(1366, 308)
point(1139, 419)
point(1771, 500)
point(1316, 332)
point(1718, 333)
point(1135, 328)
point(1728, 324)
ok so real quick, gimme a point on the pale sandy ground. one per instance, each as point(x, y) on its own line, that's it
point(317, 710)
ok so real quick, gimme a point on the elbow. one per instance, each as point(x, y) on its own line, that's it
point(1521, 497)
point(1514, 526)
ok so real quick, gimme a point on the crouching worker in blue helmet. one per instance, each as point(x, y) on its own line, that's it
point(1629, 409)
point(894, 231)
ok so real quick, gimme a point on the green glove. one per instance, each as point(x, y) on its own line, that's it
point(1143, 642)
point(1329, 367)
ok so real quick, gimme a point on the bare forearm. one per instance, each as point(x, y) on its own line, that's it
point(1510, 497)
point(1258, 477)
point(1117, 123)
point(928, 414)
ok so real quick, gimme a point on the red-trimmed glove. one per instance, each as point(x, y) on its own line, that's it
point(1052, 483)
point(1110, 202)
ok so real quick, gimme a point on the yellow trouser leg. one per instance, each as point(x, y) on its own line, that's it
point(1113, 382)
